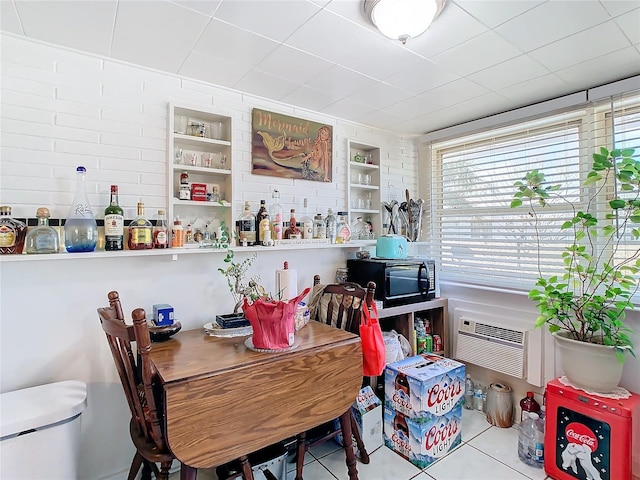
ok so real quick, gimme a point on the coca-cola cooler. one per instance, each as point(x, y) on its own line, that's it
point(591, 437)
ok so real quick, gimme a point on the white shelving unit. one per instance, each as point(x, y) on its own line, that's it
point(363, 196)
point(206, 159)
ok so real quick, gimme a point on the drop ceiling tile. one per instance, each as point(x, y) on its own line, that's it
point(213, 70)
point(379, 119)
point(208, 7)
point(479, 107)
point(550, 22)
point(623, 63)
point(340, 81)
point(618, 7)
point(82, 25)
point(9, 21)
point(496, 12)
point(535, 90)
point(595, 42)
point(508, 73)
point(422, 77)
point(274, 19)
point(142, 34)
point(630, 25)
point(380, 95)
point(477, 54)
point(452, 27)
point(265, 85)
point(227, 42)
point(310, 98)
point(346, 108)
point(293, 64)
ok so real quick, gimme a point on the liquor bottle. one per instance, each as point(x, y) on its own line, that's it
point(43, 238)
point(275, 216)
point(161, 232)
point(307, 222)
point(178, 234)
point(12, 232)
point(343, 230)
point(113, 223)
point(332, 224)
point(247, 227)
point(80, 228)
point(319, 227)
point(140, 231)
point(292, 231)
point(262, 212)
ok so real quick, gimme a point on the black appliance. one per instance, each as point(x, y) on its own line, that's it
point(398, 282)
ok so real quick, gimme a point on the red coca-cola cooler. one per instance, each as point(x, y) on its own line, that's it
point(591, 437)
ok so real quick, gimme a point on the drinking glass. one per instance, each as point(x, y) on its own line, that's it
point(180, 124)
point(367, 179)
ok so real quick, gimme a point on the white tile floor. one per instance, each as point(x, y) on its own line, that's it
point(486, 453)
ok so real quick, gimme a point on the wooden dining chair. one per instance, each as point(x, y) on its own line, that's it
point(339, 305)
point(143, 393)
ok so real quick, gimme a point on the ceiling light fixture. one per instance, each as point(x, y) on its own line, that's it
point(402, 19)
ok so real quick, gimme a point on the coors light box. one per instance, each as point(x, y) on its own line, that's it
point(424, 387)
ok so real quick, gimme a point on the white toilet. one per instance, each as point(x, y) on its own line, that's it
point(40, 431)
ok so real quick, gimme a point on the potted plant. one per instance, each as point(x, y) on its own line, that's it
point(584, 307)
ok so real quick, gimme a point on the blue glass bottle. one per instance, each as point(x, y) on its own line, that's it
point(80, 228)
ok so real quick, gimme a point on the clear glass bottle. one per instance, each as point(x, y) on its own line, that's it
point(140, 231)
point(42, 238)
point(332, 224)
point(262, 212)
point(113, 223)
point(319, 227)
point(343, 230)
point(12, 233)
point(160, 231)
point(80, 228)
point(275, 216)
point(360, 230)
point(292, 231)
point(306, 221)
point(247, 227)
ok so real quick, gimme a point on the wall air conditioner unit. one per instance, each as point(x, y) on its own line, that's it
point(491, 345)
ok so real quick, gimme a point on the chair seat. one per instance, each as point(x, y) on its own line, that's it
point(148, 449)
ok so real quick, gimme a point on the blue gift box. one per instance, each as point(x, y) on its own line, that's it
point(163, 314)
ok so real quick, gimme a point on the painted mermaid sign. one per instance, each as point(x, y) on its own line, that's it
point(290, 147)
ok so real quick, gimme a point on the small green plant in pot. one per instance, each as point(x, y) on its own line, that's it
point(585, 305)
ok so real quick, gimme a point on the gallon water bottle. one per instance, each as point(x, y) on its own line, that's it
point(468, 393)
point(80, 228)
point(531, 440)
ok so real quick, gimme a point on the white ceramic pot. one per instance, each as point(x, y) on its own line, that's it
point(499, 405)
point(589, 365)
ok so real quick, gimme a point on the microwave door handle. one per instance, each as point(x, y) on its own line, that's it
point(423, 267)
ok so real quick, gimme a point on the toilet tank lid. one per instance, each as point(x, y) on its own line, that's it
point(37, 407)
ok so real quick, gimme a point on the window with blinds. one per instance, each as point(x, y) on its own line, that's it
point(478, 238)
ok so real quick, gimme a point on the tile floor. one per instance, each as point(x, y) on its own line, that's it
point(486, 453)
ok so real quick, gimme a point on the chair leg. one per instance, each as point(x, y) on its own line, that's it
point(187, 472)
point(164, 470)
point(136, 463)
point(345, 425)
point(146, 470)
point(301, 438)
point(247, 473)
point(364, 456)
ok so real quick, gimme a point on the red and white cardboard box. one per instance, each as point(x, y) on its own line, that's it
point(367, 411)
point(424, 386)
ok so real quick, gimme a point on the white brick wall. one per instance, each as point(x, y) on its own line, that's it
point(61, 109)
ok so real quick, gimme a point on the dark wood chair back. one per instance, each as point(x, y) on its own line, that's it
point(340, 304)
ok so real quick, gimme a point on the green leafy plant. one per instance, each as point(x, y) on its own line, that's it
point(236, 275)
point(590, 298)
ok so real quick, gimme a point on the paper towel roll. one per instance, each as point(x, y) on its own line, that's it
point(286, 283)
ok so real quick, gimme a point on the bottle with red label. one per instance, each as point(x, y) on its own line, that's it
point(529, 404)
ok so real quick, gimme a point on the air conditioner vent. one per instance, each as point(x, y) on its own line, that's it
point(500, 333)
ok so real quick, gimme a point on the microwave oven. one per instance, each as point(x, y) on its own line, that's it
point(398, 282)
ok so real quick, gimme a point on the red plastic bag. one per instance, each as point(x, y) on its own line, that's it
point(272, 321)
point(373, 350)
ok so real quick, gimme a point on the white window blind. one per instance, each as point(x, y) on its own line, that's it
point(478, 238)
